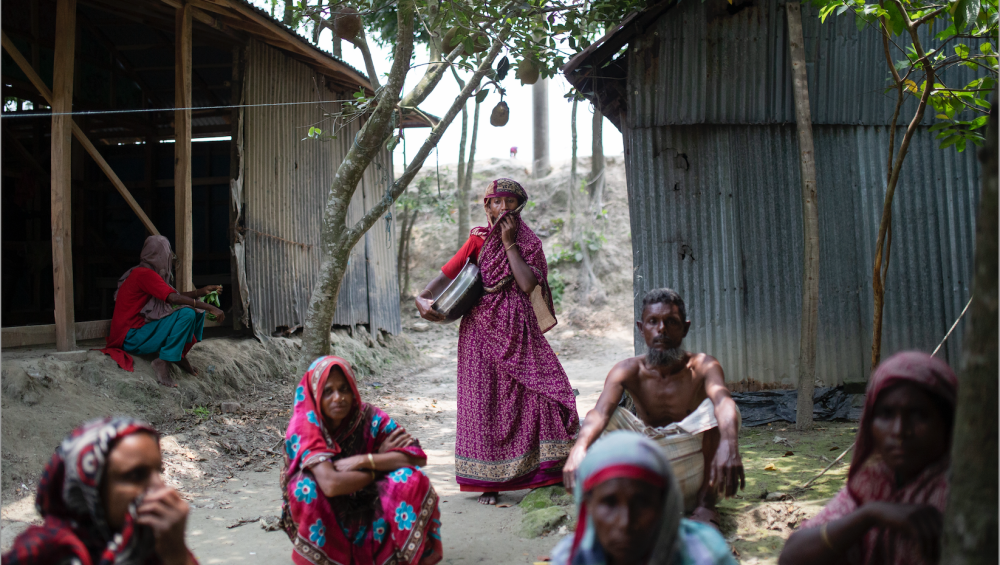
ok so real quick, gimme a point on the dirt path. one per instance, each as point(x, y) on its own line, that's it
point(424, 402)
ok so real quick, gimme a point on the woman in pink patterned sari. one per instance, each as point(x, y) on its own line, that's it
point(353, 489)
point(516, 411)
point(890, 512)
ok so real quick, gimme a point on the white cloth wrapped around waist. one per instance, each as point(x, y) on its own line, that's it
point(680, 441)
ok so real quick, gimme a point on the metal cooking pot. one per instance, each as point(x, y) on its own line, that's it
point(461, 295)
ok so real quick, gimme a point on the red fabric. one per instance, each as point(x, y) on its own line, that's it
point(470, 249)
point(623, 472)
point(871, 480)
point(133, 294)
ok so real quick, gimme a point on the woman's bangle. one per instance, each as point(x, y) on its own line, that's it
point(371, 461)
point(826, 538)
point(509, 246)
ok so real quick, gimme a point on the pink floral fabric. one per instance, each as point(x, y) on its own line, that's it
point(406, 523)
point(517, 414)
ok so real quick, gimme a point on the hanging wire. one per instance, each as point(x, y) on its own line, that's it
point(146, 110)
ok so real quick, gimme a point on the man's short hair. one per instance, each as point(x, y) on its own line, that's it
point(664, 296)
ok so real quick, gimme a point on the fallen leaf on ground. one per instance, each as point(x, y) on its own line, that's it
point(504, 505)
point(770, 467)
point(788, 454)
point(834, 448)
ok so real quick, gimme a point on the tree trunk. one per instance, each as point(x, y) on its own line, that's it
point(970, 523)
point(337, 237)
point(401, 247)
point(883, 243)
point(461, 196)
point(317, 22)
point(289, 13)
point(571, 222)
point(414, 212)
point(338, 49)
point(540, 166)
point(595, 184)
point(810, 221)
point(470, 166)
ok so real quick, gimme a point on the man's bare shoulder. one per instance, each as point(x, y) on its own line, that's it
point(702, 363)
point(626, 368)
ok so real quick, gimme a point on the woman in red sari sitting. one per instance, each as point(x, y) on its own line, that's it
point(890, 512)
point(516, 411)
point(353, 489)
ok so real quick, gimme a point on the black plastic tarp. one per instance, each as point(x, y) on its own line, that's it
point(829, 403)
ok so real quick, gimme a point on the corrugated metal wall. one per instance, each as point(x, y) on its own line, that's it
point(714, 195)
point(285, 188)
point(703, 64)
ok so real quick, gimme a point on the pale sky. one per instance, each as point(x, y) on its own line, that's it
point(492, 141)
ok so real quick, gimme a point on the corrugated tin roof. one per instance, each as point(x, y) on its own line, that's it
point(716, 63)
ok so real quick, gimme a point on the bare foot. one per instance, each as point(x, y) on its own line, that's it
point(489, 498)
point(707, 516)
point(162, 370)
point(186, 365)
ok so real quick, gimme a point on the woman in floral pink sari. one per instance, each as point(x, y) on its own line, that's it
point(353, 489)
point(516, 411)
point(890, 511)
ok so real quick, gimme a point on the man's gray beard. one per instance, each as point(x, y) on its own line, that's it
point(664, 357)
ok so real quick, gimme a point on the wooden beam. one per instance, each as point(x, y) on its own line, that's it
point(62, 187)
point(21, 336)
point(36, 80)
point(182, 150)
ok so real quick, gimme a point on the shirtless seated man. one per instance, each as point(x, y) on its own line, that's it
point(682, 403)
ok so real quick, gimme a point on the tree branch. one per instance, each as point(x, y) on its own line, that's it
point(376, 212)
point(362, 44)
point(369, 140)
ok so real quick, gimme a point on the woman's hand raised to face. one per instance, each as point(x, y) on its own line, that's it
point(508, 230)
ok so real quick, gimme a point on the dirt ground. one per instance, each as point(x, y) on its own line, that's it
point(227, 465)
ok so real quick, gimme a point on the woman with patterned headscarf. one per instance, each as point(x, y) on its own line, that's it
point(891, 510)
point(145, 321)
point(516, 411)
point(102, 502)
point(352, 485)
point(630, 511)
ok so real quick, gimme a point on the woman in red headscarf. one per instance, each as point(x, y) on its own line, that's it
point(352, 485)
point(516, 410)
point(890, 511)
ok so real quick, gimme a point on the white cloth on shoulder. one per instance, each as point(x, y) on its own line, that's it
point(680, 441)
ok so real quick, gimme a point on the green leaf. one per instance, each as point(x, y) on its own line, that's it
point(940, 126)
point(841, 9)
point(962, 50)
point(481, 95)
point(950, 141)
point(965, 13)
point(860, 22)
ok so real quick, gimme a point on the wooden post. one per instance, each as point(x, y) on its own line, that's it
point(810, 221)
point(62, 144)
point(182, 151)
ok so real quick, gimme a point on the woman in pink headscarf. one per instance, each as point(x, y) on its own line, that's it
point(516, 411)
point(890, 512)
point(353, 489)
